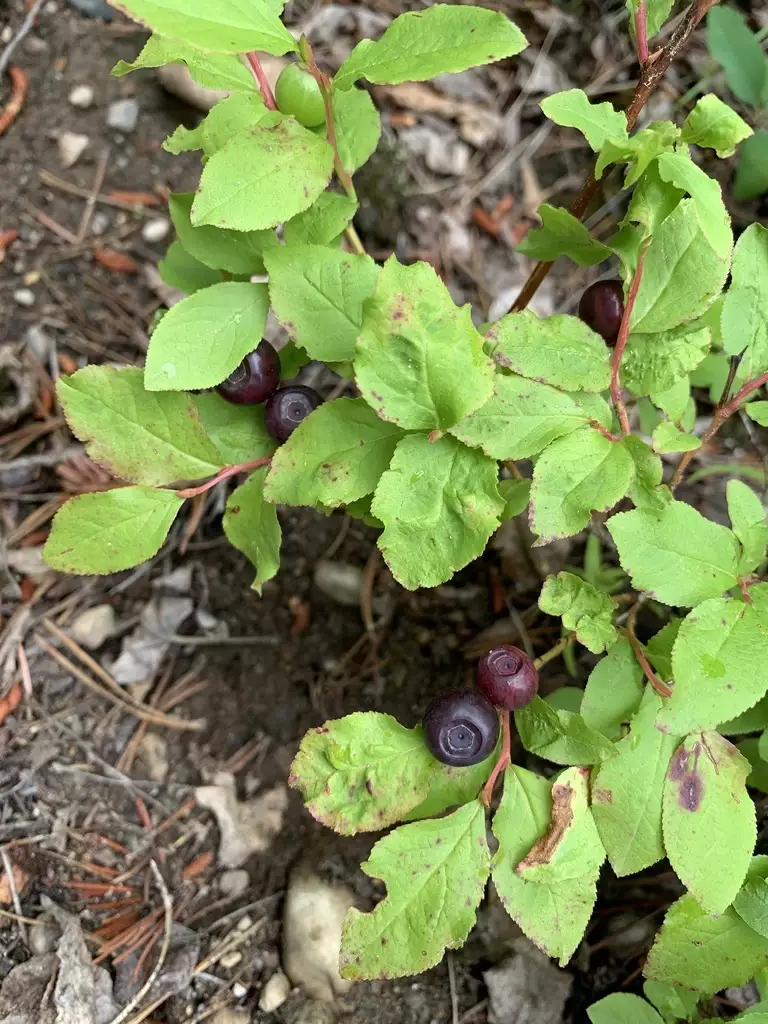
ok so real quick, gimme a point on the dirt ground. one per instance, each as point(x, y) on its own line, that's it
point(259, 672)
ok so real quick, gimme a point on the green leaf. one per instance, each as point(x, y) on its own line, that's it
point(659, 648)
point(751, 904)
point(715, 125)
point(358, 127)
point(671, 1000)
point(695, 950)
point(560, 736)
point(237, 431)
point(562, 234)
point(758, 776)
point(251, 526)
point(139, 435)
point(439, 504)
point(656, 362)
point(623, 1008)
point(109, 531)
point(754, 719)
point(565, 698)
point(317, 294)
point(230, 116)
point(682, 274)
point(673, 400)
point(574, 476)
point(560, 350)
point(437, 41)
point(745, 310)
point(627, 792)
point(548, 859)
point(585, 610)
point(520, 418)
point(181, 270)
point(613, 691)
point(239, 252)
point(335, 457)
point(751, 178)
point(675, 554)
point(363, 772)
point(201, 340)
point(646, 490)
point(748, 523)
point(292, 359)
point(757, 411)
point(733, 44)
point(715, 223)
point(420, 361)
point(450, 787)
point(639, 151)
point(435, 872)
point(705, 796)
point(324, 221)
point(657, 12)
point(516, 494)
point(667, 438)
point(597, 122)
point(718, 662)
point(264, 175)
point(228, 26)
point(651, 203)
point(212, 70)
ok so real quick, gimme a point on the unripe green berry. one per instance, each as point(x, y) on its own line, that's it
point(298, 94)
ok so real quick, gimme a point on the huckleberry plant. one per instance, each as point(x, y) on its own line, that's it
point(427, 453)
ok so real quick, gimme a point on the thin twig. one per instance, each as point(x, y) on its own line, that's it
point(554, 652)
point(253, 62)
point(145, 988)
point(98, 181)
point(26, 27)
point(650, 77)
point(505, 756)
point(721, 415)
point(225, 474)
point(623, 337)
point(452, 985)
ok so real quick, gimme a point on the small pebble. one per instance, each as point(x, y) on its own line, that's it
point(35, 45)
point(93, 626)
point(123, 115)
point(81, 96)
point(43, 937)
point(71, 148)
point(24, 297)
point(234, 883)
point(6, 35)
point(244, 923)
point(231, 959)
point(100, 223)
point(155, 230)
point(340, 581)
point(274, 993)
point(239, 991)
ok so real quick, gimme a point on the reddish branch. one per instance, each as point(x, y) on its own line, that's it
point(641, 32)
point(650, 76)
point(721, 415)
point(258, 73)
point(19, 87)
point(621, 341)
point(504, 758)
point(225, 474)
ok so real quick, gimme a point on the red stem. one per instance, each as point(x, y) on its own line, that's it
point(661, 688)
point(721, 415)
point(258, 73)
point(504, 758)
point(621, 341)
point(641, 31)
point(601, 429)
point(225, 474)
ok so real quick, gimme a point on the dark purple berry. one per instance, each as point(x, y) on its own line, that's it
point(255, 379)
point(508, 678)
point(461, 727)
point(287, 408)
point(602, 307)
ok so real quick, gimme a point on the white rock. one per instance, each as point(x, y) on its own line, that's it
point(94, 626)
point(100, 222)
point(24, 297)
point(239, 991)
point(227, 1015)
point(231, 959)
point(71, 148)
point(527, 988)
point(153, 751)
point(155, 230)
point(122, 115)
point(234, 883)
point(340, 581)
point(81, 96)
point(274, 993)
point(312, 920)
point(247, 827)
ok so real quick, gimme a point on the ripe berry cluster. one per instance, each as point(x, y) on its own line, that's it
point(256, 380)
point(461, 727)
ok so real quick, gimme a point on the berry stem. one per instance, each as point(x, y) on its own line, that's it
point(554, 652)
point(650, 76)
point(225, 474)
point(641, 31)
point(722, 412)
point(621, 341)
point(254, 64)
point(504, 759)
point(660, 687)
